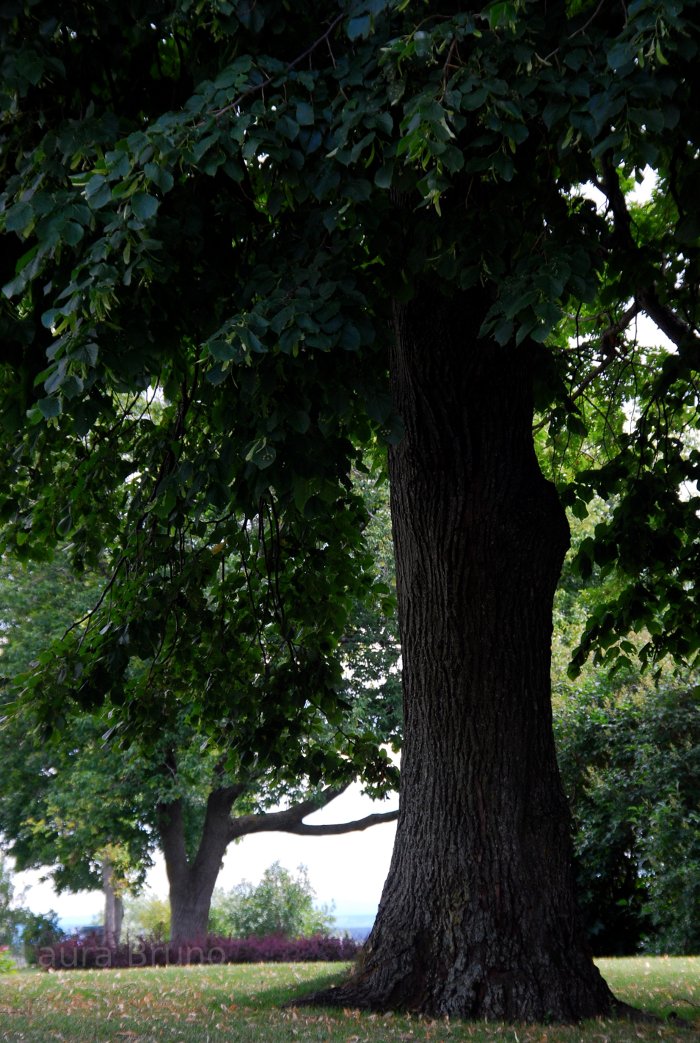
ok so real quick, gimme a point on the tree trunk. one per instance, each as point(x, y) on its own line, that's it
point(114, 906)
point(478, 916)
point(192, 883)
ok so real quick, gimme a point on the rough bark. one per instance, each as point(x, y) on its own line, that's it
point(478, 915)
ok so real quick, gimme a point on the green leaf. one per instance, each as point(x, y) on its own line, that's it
point(159, 176)
point(48, 318)
point(18, 217)
point(305, 114)
point(72, 233)
point(261, 454)
point(144, 205)
point(54, 381)
point(50, 407)
point(384, 176)
point(93, 186)
point(359, 26)
point(300, 421)
point(350, 337)
point(500, 14)
point(72, 386)
point(223, 350)
point(620, 54)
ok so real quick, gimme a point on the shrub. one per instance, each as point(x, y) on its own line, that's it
point(80, 953)
point(39, 930)
point(7, 962)
point(147, 916)
point(281, 904)
point(630, 762)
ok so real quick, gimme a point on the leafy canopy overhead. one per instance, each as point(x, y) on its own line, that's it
point(208, 209)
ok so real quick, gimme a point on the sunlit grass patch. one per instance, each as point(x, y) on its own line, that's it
point(664, 985)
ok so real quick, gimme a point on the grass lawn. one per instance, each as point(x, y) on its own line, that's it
point(243, 1003)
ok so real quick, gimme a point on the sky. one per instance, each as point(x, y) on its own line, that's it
point(347, 870)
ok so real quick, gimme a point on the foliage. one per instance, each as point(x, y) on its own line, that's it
point(249, 1001)
point(281, 904)
point(630, 760)
point(147, 916)
point(154, 318)
point(7, 961)
point(64, 804)
point(38, 931)
point(39, 602)
point(84, 954)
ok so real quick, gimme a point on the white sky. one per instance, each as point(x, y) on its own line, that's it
point(348, 870)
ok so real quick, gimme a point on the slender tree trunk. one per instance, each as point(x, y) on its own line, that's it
point(478, 916)
point(192, 882)
point(114, 906)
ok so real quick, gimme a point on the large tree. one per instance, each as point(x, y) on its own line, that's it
point(92, 809)
point(257, 210)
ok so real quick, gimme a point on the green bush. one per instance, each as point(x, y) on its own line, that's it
point(630, 762)
point(7, 961)
point(147, 917)
point(281, 904)
point(39, 931)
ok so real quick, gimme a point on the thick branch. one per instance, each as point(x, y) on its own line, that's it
point(215, 831)
point(291, 820)
point(335, 828)
point(678, 332)
point(172, 838)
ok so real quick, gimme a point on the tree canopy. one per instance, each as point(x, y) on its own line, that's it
point(201, 207)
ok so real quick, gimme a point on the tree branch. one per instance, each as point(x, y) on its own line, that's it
point(171, 831)
point(336, 828)
point(581, 29)
point(609, 344)
point(291, 820)
point(678, 332)
point(271, 79)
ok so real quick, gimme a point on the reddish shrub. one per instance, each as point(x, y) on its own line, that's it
point(81, 953)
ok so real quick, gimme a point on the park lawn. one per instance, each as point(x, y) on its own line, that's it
point(244, 1003)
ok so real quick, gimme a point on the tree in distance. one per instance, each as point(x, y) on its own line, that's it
point(310, 230)
point(93, 809)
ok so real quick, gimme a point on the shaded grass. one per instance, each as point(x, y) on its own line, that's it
point(244, 1003)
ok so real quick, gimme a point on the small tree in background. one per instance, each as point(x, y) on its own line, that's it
point(147, 916)
point(282, 903)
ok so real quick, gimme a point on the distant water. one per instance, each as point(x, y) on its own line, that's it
point(359, 934)
point(358, 931)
